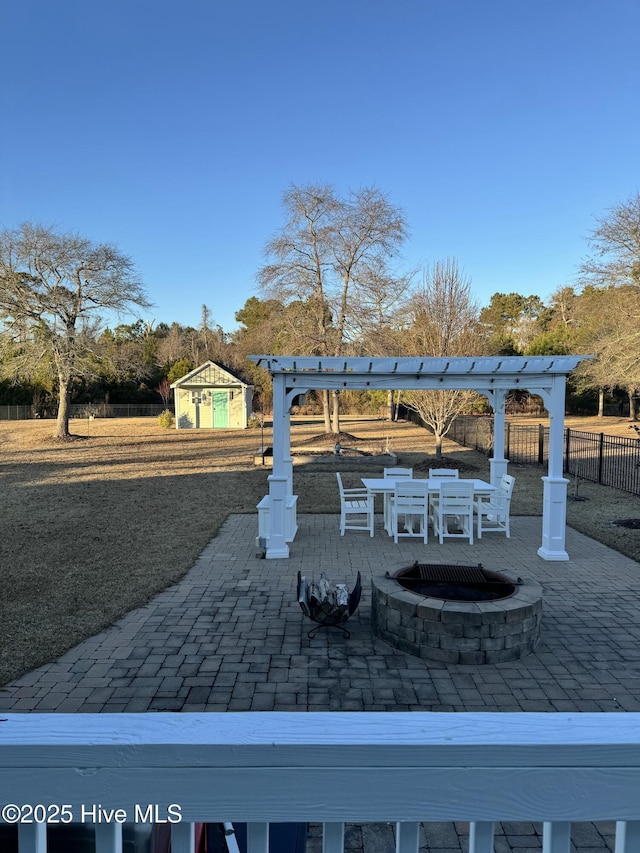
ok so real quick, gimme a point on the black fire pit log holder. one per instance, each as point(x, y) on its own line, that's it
point(323, 618)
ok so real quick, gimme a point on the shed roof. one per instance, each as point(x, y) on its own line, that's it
point(210, 374)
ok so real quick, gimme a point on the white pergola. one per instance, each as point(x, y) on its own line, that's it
point(492, 377)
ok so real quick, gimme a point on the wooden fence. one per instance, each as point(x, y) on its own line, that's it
point(610, 460)
point(84, 410)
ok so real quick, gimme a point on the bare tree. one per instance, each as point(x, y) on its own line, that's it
point(165, 391)
point(212, 343)
point(613, 269)
point(52, 287)
point(174, 345)
point(562, 303)
point(369, 231)
point(444, 323)
point(616, 247)
point(609, 328)
point(300, 255)
point(379, 301)
point(317, 258)
point(379, 311)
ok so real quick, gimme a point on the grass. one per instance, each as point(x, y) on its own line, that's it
point(95, 527)
point(609, 425)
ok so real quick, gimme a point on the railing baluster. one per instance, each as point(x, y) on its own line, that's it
point(108, 837)
point(257, 838)
point(407, 837)
point(556, 837)
point(32, 838)
point(481, 837)
point(333, 838)
point(183, 838)
point(627, 836)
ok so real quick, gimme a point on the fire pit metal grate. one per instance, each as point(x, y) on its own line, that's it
point(454, 582)
point(449, 573)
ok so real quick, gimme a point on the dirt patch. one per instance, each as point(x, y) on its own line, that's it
point(344, 452)
point(439, 462)
point(330, 438)
point(629, 523)
point(351, 445)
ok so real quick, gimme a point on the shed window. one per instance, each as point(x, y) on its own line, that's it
point(198, 397)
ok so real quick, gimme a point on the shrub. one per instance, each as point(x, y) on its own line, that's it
point(165, 419)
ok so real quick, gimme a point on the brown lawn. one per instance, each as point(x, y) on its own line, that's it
point(610, 426)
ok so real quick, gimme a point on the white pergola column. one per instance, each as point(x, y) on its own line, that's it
point(554, 502)
point(279, 480)
point(497, 463)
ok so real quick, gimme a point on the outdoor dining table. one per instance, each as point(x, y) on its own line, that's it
point(386, 487)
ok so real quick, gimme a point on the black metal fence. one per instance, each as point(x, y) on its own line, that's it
point(610, 460)
point(86, 410)
point(473, 431)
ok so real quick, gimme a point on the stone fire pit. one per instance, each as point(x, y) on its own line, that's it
point(425, 619)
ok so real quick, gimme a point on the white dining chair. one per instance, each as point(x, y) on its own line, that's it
point(441, 474)
point(492, 511)
point(397, 473)
point(452, 513)
point(409, 509)
point(358, 503)
point(392, 474)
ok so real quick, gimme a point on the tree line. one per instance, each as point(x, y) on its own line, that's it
point(332, 284)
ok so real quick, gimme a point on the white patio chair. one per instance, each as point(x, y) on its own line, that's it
point(397, 473)
point(492, 511)
point(442, 474)
point(452, 513)
point(355, 502)
point(409, 509)
point(392, 474)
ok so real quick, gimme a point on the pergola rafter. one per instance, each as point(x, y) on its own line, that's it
point(492, 377)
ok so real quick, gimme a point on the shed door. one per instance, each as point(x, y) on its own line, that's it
point(220, 409)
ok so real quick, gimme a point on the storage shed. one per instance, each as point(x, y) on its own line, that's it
point(211, 397)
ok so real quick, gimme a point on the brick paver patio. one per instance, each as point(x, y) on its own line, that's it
point(231, 636)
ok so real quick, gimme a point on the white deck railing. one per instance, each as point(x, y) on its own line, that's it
point(326, 768)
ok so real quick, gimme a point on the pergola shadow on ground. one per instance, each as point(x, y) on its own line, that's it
point(493, 377)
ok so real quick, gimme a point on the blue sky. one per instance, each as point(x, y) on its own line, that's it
point(502, 129)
